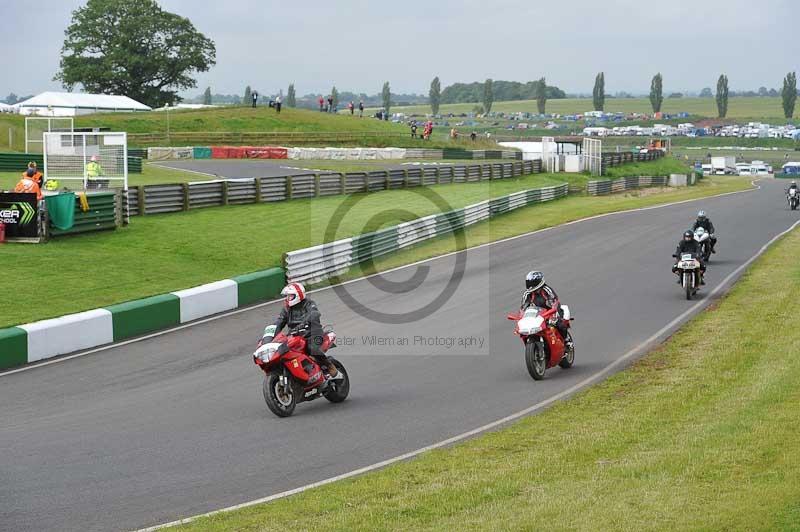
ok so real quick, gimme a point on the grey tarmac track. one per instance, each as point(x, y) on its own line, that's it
point(175, 425)
point(238, 169)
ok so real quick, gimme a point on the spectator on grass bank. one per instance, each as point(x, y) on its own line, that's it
point(321, 104)
point(473, 136)
point(255, 99)
point(330, 104)
point(278, 104)
point(361, 109)
point(453, 134)
point(32, 172)
point(352, 108)
point(413, 129)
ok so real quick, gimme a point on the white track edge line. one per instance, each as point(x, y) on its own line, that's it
point(56, 360)
point(494, 424)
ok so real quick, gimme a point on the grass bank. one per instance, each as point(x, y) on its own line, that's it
point(701, 434)
point(162, 253)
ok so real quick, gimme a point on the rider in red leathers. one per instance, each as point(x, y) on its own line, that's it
point(539, 294)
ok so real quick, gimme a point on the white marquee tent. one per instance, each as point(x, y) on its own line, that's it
point(73, 103)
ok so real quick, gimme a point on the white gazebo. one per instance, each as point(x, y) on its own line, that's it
point(74, 103)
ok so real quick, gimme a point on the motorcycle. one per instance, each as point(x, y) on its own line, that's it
point(704, 239)
point(291, 376)
point(544, 346)
point(689, 271)
point(793, 198)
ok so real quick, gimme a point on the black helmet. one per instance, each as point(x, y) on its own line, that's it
point(688, 235)
point(534, 280)
point(701, 216)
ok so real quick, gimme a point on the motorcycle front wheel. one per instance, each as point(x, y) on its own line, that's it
point(535, 359)
point(280, 400)
point(688, 284)
point(338, 389)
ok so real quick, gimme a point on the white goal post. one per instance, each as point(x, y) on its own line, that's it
point(549, 154)
point(90, 160)
point(37, 126)
point(593, 156)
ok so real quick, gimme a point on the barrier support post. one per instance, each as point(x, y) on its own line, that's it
point(316, 185)
point(224, 192)
point(185, 196)
point(387, 182)
point(288, 187)
point(257, 182)
point(343, 183)
point(140, 199)
point(405, 178)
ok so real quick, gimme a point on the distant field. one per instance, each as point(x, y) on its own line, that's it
point(751, 108)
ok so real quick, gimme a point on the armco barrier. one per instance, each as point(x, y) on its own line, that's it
point(18, 162)
point(601, 188)
point(45, 339)
point(328, 260)
point(157, 199)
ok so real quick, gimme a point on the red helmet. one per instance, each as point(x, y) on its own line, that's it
point(293, 294)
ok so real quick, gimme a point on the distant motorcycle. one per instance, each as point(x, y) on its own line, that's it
point(291, 376)
point(704, 239)
point(793, 198)
point(689, 270)
point(544, 347)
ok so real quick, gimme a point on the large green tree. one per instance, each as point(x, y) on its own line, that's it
point(435, 95)
point(599, 92)
point(291, 96)
point(488, 96)
point(722, 96)
point(657, 92)
point(386, 96)
point(133, 48)
point(207, 96)
point(541, 96)
point(248, 95)
point(789, 94)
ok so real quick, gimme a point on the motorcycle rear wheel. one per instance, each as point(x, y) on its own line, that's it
point(535, 359)
point(279, 402)
point(338, 389)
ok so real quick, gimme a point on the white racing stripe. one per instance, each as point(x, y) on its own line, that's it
point(637, 350)
point(431, 259)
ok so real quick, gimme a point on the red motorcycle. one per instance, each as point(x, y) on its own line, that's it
point(544, 346)
point(291, 376)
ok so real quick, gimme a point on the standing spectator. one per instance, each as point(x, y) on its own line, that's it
point(278, 104)
point(33, 173)
point(352, 108)
point(413, 129)
point(255, 99)
point(330, 103)
point(473, 136)
point(361, 108)
point(321, 104)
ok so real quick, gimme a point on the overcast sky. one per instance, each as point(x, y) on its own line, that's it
point(359, 45)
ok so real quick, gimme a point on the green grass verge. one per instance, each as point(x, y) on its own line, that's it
point(701, 434)
point(660, 167)
point(161, 253)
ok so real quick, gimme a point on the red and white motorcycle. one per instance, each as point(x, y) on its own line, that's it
point(544, 346)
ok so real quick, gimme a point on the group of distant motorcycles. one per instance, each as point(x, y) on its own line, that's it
point(292, 376)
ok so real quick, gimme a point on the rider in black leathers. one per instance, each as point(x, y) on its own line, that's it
point(299, 312)
point(705, 223)
point(689, 245)
point(539, 294)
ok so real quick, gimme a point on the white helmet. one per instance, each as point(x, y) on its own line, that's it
point(293, 294)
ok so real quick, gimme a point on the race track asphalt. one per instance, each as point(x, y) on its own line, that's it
point(238, 169)
point(175, 425)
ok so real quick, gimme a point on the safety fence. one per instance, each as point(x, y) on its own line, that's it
point(329, 260)
point(329, 153)
point(155, 199)
point(13, 162)
point(258, 137)
point(616, 159)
